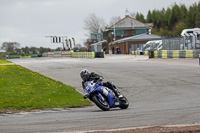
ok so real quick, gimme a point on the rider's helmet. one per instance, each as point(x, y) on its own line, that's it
point(84, 74)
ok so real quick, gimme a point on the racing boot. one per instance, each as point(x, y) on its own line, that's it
point(117, 93)
point(114, 89)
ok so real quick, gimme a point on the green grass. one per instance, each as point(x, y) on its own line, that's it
point(21, 89)
point(14, 56)
point(4, 61)
point(19, 56)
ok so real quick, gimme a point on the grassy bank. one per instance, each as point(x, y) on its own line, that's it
point(21, 88)
point(4, 61)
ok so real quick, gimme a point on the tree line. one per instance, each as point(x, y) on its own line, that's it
point(14, 48)
point(173, 20)
point(167, 22)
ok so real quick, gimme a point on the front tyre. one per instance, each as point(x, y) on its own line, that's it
point(101, 103)
point(123, 103)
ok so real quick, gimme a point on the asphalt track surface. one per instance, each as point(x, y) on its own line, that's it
point(160, 92)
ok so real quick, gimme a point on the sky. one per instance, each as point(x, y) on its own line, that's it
point(28, 22)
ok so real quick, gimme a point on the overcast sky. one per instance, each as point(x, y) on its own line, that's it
point(29, 21)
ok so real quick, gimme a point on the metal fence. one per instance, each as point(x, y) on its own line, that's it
point(173, 43)
point(136, 47)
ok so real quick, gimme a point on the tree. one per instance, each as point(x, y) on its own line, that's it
point(94, 24)
point(10, 46)
point(33, 50)
point(25, 50)
point(179, 28)
point(197, 21)
point(166, 16)
point(44, 50)
point(184, 12)
point(140, 17)
point(114, 20)
point(132, 14)
point(175, 16)
point(149, 17)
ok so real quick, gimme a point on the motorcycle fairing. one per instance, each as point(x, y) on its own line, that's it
point(92, 88)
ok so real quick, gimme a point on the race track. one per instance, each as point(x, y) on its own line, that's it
point(160, 92)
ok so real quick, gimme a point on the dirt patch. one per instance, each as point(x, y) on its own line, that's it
point(172, 129)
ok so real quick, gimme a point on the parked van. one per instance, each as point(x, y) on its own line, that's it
point(153, 45)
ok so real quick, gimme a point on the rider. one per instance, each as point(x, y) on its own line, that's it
point(87, 76)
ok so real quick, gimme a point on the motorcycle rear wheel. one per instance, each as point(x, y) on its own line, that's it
point(102, 104)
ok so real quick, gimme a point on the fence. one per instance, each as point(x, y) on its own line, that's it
point(173, 43)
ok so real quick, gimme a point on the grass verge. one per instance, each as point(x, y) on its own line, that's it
point(4, 61)
point(22, 89)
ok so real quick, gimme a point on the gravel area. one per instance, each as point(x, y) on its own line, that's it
point(164, 129)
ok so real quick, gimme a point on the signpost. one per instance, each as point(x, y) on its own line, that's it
point(62, 39)
point(58, 39)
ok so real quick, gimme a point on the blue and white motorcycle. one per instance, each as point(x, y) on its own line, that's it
point(104, 97)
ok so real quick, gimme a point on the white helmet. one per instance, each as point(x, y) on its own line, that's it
point(85, 74)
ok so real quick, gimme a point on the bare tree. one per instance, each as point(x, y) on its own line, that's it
point(114, 20)
point(133, 15)
point(94, 24)
point(10, 46)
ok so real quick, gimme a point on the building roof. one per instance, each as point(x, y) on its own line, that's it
point(130, 23)
point(97, 43)
point(141, 37)
point(3, 51)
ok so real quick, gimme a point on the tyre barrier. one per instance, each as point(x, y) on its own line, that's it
point(134, 52)
point(174, 54)
point(76, 54)
point(99, 54)
point(83, 55)
point(139, 53)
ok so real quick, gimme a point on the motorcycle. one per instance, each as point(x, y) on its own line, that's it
point(104, 97)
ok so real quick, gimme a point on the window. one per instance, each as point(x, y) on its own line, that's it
point(125, 32)
point(198, 38)
point(93, 36)
point(139, 31)
point(97, 36)
point(119, 32)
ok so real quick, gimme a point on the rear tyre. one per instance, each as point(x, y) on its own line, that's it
point(102, 104)
point(123, 103)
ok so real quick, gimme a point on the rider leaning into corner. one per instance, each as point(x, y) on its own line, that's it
point(87, 76)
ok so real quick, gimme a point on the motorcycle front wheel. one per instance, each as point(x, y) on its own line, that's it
point(102, 104)
point(124, 103)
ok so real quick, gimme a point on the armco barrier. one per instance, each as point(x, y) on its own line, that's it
point(174, 54)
